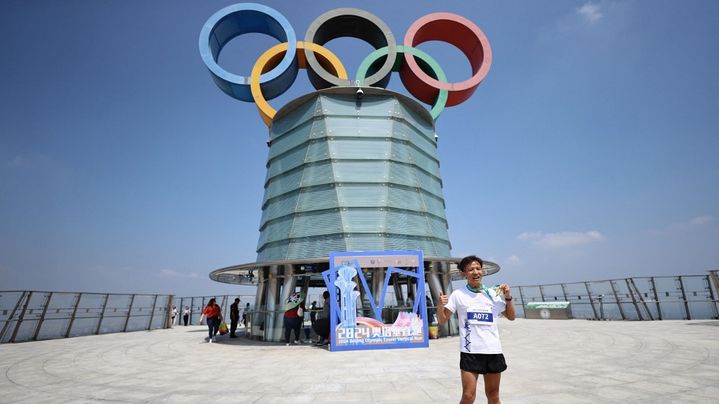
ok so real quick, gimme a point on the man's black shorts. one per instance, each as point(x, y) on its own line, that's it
point(482, 363)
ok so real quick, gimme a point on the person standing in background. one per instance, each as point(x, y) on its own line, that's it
point(293, 318)
point(245, 312)
point(322, 324)
point(234, 317)
point(213, 313)
point(313, 313)
point(173, 315)
point(186, 315)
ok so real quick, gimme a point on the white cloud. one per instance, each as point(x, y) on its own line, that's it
point(685, 226)
point(590, 12)
point(513, 259)
point(561, 239)
point(170, 273)
point(701, 220)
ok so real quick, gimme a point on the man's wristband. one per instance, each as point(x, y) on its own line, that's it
point(508, 299)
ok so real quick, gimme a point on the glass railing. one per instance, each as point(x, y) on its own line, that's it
point(40, 315)
point(686, 297)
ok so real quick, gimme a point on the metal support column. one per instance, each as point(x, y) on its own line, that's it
point(435, 286)
point(152, 313)
point(452, 325)
point(641, 298)
point(411, 291)
point(192, 308)
point(521, 298)
point(223, 307)
point(656, 297)
point(255, 313)
point(72, 316)
point(591, 300)
point(541, 293)
point(684, 298)
point(289, 282)
point(21, 317)
point(129, 313)
point(271, 304)
point(377, 284)
point(102, 314)
point(564, 292)
point(398, 294)
point(712, 276)
point(12, 314)
point(634, 301)
point(616, 299)
point(42, 317)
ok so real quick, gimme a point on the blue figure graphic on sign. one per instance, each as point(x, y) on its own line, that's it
point(348, 296)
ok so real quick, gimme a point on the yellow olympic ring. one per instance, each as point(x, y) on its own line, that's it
point(272, 58)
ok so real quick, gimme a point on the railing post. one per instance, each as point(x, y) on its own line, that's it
point(656, 297)
point(129, 313)
point(42, 317)
point(102, 314)
point(541, 293)
point(72, 316)
point(521, 298)
point(192, 307)
point(591, 299)
point(564, 292)
point(224, 304)
point(684, 298)
point(634, 300)
point(21, 317)
point(616, 299)
point(152, 313)
point(714, 280)
point(12, 314)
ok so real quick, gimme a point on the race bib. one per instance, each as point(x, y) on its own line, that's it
point(480, 316)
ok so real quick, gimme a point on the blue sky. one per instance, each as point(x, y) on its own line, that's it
point(589, 152)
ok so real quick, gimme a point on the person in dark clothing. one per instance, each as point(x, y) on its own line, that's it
point(234, 317)
point(322, 324)
point(313, 313)
point(186, 315)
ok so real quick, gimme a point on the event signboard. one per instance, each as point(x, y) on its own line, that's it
point(354, 327)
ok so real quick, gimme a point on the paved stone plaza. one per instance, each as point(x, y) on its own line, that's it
point(550, 361)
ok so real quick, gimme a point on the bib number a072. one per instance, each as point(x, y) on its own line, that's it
point(479, 317)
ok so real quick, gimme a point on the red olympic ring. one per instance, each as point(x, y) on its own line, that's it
point(458, 31)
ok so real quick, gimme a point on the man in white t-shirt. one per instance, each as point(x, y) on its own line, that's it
point(478, 309)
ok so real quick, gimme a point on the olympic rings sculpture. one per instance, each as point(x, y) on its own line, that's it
point(276, 70)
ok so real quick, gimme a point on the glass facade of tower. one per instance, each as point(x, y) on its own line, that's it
point(352, 174)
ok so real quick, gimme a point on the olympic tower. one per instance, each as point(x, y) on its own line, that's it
point(351, 166)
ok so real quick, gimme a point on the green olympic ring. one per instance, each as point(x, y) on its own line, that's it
point(374, 61)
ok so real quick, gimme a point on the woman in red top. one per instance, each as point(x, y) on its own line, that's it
point(293, 322)
point(213, 313)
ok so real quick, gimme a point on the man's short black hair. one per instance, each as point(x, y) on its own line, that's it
point(468, 260)
point(326, 294)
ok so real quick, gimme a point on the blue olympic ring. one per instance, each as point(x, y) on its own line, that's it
point(244, 18)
